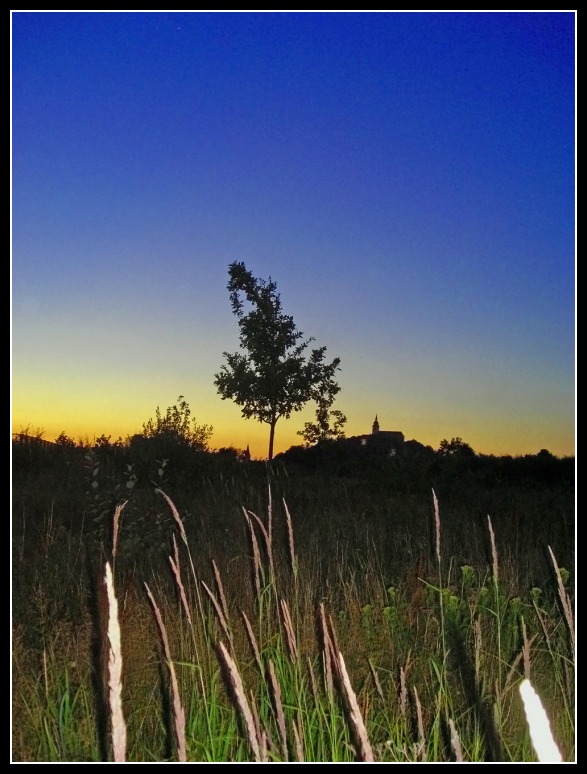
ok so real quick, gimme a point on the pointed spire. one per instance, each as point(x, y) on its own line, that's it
point(375, 425)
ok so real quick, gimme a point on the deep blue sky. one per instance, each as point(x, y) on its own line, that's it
point(407, 179)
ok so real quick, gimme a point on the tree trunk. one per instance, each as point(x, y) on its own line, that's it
point(271, 438)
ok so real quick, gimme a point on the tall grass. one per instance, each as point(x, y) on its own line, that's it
point(260, 670)
point(276, 650)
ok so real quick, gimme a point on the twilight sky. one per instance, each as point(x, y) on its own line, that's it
point(407, 179)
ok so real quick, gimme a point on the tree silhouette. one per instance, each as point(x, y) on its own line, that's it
point(274, 377)
point(327, 427)
point(64, 440)
point(176, 427)
point(456, 448)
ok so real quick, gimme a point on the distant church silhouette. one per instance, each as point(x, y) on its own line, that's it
point(389, 439)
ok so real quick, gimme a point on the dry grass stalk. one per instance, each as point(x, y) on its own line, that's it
point(376, 680)
point(253, 641)
point(184, 537)
point(543, 623)
point(176, 516)
point(269, 518)
point(526, 650)
point(178, 711)
point(292, 646)
point(268, 542)
point(219, 613)
point(115, 672)
point(523, 654)
point(264, 745)
point(45, 673)
point(220, 588)
point(333, 640)
point(256, 555)
point(421, 746)
point(327, 653)
point(366, 752)
point(455, 742)
point(403, 692)
point(493, 552)
point(565, 600)
point(328, 676)
point(478, 647)
point(265, 741)
point(259, 732)
point(329, 636)
point(115, 527)
point(437, 526)
point(514, 667)
point(177, 574)
point(540, 731)
point(290, 541)
point(263, 529)
point(276, 691)
point(299, 747)
point(313, 683)
point(241, 700)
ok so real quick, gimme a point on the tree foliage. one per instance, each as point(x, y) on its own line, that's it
point(64, 440)
point(456, 447)
point(32, 432)
point(273, 376)
point(175, 426)
point(327, 427)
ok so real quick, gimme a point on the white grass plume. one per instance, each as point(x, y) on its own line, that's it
point(540, 732)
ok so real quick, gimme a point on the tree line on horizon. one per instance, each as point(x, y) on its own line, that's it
point(273, 376)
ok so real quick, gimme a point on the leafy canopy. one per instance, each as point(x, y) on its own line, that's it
point(327, 427)
point(456, 448)
point(64, 440)
point(176, 426)
point(272, 376)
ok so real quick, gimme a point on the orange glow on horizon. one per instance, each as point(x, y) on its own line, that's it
point(255, 435)
point(108, 407)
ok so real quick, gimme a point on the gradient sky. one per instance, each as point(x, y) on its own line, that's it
point(406, 178)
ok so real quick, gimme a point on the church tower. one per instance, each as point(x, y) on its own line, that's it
point(375, 426)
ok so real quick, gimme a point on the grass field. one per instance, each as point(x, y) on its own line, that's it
point(258, 613)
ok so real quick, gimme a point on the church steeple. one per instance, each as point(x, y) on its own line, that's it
point(375, 425)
